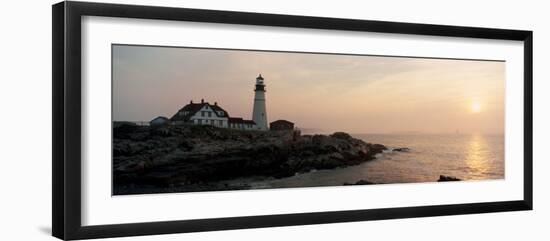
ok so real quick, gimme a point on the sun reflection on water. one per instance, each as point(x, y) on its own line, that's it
point(476, 156)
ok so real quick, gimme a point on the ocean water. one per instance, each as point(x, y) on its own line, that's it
point(465, 156)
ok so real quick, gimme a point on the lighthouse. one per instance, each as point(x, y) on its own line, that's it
point(259, 112)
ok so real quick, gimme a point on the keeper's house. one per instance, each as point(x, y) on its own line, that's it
point(204, 113)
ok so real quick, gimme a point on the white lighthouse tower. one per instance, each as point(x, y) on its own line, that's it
point(259, 113)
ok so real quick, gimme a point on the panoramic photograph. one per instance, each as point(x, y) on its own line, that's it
point(202, 119)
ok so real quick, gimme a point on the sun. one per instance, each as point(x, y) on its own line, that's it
point(476, 107)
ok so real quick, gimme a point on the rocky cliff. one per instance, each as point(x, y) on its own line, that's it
point(201, 155)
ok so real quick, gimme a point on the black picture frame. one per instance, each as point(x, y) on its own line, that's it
point(66, 75)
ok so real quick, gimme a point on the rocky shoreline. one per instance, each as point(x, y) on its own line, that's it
point(199, 158)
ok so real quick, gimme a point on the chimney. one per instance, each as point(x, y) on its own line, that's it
point(191, 102)
point(216, 103)
point(202, 100)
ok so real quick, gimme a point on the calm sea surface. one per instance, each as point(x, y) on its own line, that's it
point(468, 157)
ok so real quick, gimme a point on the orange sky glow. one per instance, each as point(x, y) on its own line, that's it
point(319, 92)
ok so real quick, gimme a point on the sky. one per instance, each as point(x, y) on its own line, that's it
point(318, 92)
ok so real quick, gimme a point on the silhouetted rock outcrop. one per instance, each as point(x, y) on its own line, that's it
point(443, 178)
point(360, 182)
point(190, 155)
point(401, 149)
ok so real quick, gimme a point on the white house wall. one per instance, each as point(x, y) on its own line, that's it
point(207, 120)
point(241, 126)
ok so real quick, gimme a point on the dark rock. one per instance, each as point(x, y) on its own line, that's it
point(124, 129)
point(341, 135)
point(377, 148)
point(402, 149)
point(190, 155)
point(125, 124)
point(319, 139)
point(443, 178)
point(360, 182)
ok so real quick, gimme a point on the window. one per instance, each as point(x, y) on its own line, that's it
point(209, 114)
point(199, 121)
point(220, 122)
point(211, 121)
point(202, 113)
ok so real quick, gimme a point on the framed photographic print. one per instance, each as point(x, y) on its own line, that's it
point(170, 120)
